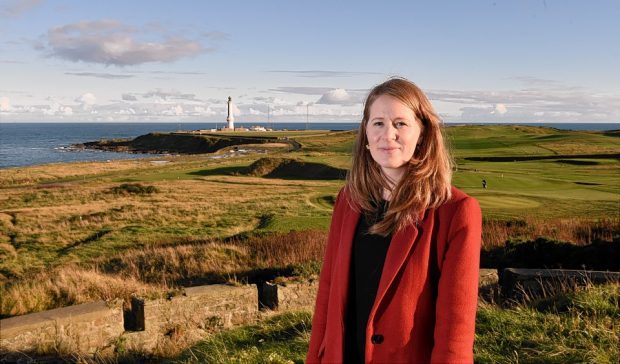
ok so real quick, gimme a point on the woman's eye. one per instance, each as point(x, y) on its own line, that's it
point(377, 123)
point(400, 124)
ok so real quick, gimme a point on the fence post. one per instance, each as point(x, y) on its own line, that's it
point(267, 296)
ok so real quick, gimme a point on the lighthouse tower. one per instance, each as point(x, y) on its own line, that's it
point(230, 119)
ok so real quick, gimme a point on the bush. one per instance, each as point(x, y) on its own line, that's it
point(134, 189)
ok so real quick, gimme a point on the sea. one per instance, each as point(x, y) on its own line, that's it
point(27, 144)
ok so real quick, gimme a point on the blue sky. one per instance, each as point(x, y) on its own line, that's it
point(479, 61)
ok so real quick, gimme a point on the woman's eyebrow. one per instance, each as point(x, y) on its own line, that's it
point(399, 118)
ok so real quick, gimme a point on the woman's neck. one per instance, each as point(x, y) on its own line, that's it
point(392, 177)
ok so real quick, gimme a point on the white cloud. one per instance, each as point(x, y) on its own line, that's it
point(52, 109)
point(303, 90)
point(253, 111)
point(87, 100)
point(235, 111)
point(173, 94)
point(500, 109)
point(338, 96)
point(128, 111)
point(549, 102)
point(187, 110)
point(176, 110)
point(108, 76)
point(16, 8)
point(199, 110)
point(325, 73)
point(66, 110)
point(128, 97)
point(270, 100)
point(5, 104)
point(113, 43)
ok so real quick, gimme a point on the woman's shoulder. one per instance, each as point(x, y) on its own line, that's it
point(457, 195)
point(343, 198)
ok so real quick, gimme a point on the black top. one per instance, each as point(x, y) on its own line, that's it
point(368, 257)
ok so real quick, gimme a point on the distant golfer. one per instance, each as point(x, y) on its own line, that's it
point(484, 183)
point(399, 282)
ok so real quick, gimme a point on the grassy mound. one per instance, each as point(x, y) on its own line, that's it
point(292, 169)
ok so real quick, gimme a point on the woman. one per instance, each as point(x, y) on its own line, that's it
point(399, 282)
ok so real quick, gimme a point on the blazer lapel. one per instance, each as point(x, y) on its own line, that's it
point(401, 245)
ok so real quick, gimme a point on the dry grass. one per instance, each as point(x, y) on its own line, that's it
point(577, 147)
point(75, 171)
point(54, 226)
point(68, 286)
point(217, 260)
point(580, 231)
point(296, 247)
point(155, 270)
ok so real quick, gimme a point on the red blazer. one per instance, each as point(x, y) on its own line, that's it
point(407, 324)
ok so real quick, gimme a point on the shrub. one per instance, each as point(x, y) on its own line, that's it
point(134, 189)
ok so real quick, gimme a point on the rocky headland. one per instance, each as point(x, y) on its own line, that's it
point(179, 143)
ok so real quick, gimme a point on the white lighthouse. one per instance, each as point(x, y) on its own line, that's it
point(230, 119)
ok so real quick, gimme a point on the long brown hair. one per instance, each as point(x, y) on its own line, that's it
point(427, 181)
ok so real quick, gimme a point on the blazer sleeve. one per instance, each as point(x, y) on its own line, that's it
point(457, 294)
point(320, 311)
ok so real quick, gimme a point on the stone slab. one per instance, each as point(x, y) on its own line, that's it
point(14, 326)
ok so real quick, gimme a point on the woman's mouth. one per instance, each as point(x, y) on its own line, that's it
point(389, 149)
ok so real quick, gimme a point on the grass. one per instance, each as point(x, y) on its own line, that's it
point(47, 231)
point(580, 326)
point(579, 231)
point(58, 214)
point(155, 270)
point(66, 237)
point(68, 286)
point(279, 339)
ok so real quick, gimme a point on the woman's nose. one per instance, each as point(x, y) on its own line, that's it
point(390, 132)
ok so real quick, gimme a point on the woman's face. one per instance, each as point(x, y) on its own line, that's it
point(393, 132)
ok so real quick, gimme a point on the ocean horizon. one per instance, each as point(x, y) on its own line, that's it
point(34, 143)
